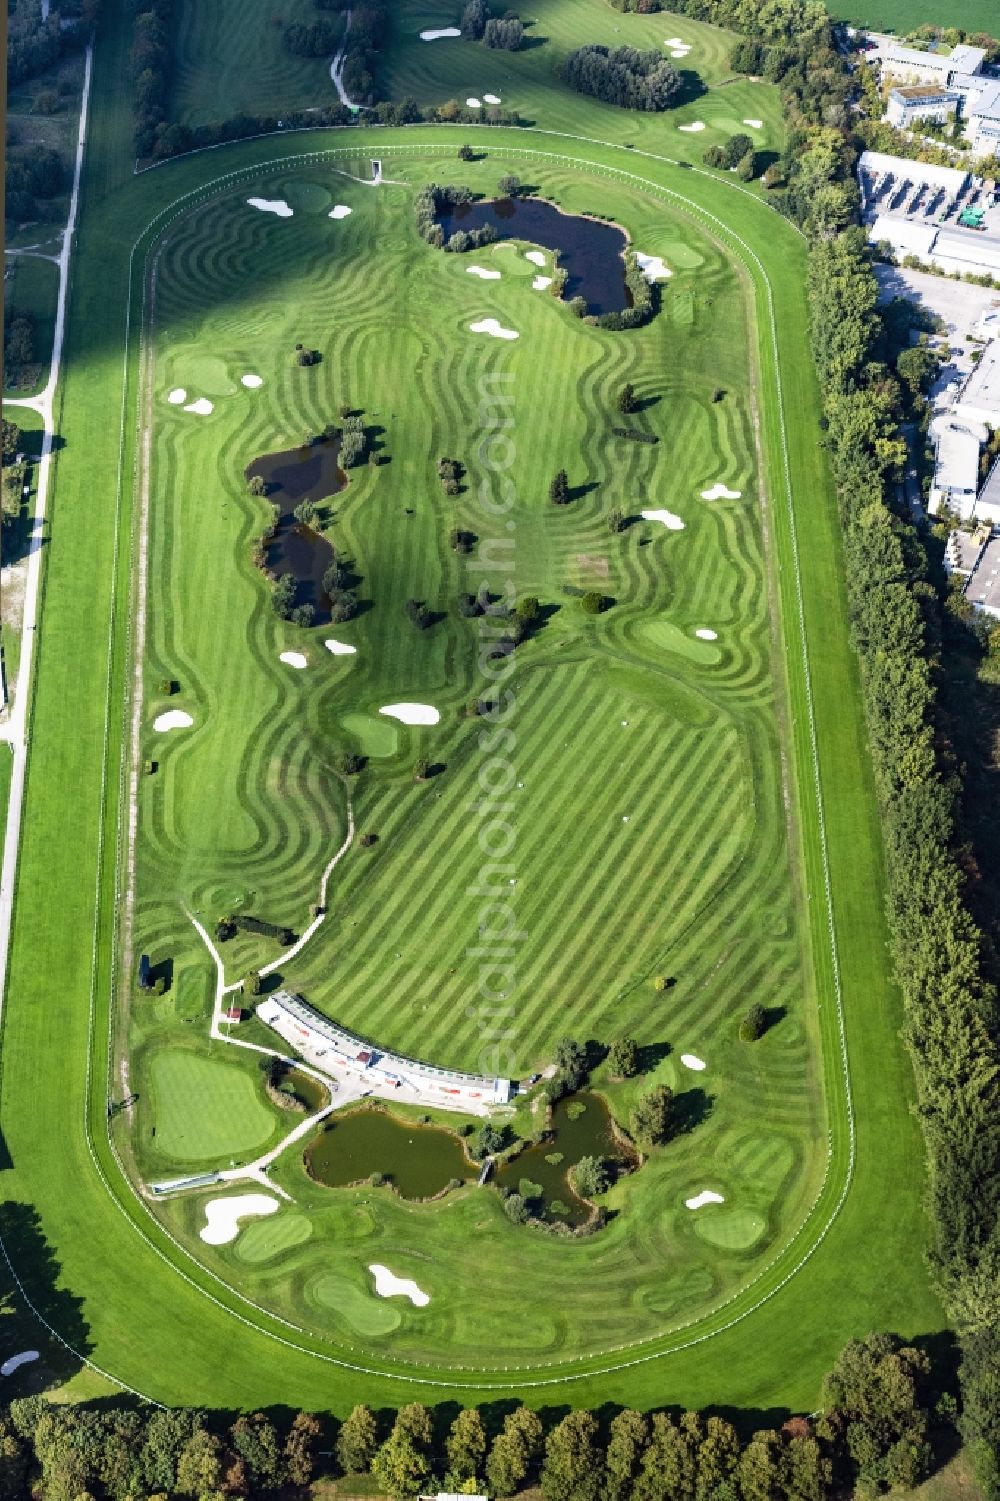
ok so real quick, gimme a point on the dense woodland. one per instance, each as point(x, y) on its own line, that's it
point(875, 1429)
point(623, 76)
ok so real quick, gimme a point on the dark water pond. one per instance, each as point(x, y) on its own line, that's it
point(575, 1134)
point(305, 1088)
point(592, 253)
point(419, 1160)
point(293, 475)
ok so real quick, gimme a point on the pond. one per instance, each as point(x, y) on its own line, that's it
point(293, 475)
point(303, 1087)
point(575, 1133)
point(419, 1161)
point(590, 251)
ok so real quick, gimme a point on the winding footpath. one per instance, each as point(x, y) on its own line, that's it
point(15, 727)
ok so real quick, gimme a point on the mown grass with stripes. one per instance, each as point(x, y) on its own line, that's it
point(645, 794)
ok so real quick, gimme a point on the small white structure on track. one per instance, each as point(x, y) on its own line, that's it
point(493, 328)
point(388, 1285)
point(411, 713)
point(720, 492)
point(177, 397)
point(222, 1216)
point(294, 659)
point(705, 1197)
point(665, 518)
point(276, 206)
point(172, 719)
point(251, 381)
point(14, 1362)
point(340, 648)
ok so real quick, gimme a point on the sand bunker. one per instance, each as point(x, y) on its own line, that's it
point(482, 273)
point(339, 211)
point(491, 326)
point(173, 719)
point(706, 635)
point(697, 125)
point(222, 1216)
point(705, 1197)
point(202, 406)
point(719, 492)
point(12, 1362)
point(535, 257)
point(492, 98)
point(756, 124)
point(293, 659)
point(272, 206)
point(667, 518)
point(340, 648)
point(539, 283)
point(680, 51)
point(178, 396)
point(474, 103)
point(652, 267)
point(433, 36)
point(251, 381)
point(388, 1285)
point(691, 1060)
point(411, 713)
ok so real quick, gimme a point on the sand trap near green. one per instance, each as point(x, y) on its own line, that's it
point(362, 1311)
point(205, 1109)
point(375, 737)
point(665, 636)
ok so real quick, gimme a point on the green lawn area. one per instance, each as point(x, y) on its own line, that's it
point(229, 59)
point(529, 81)
point(206, 1109)
point(904, 15)
point(718, 876)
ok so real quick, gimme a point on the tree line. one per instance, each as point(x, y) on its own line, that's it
point(623, 76)
point(35, 45)
point(874, 1430)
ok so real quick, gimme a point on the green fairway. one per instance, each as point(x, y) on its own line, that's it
point(687, 841)
point(529, 81)
point(903, 15)
point(205, 1109)
point(229, 59)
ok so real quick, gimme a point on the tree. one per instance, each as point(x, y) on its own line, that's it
point(592, 602)
point(623, 76)
point(650, 1119)
point(591, 1177)
point(623, 1057)
point(11, 441)
point(718, 1455)
point(305, 512)
point(877, 1386)
point(514, 1452)
point(617, 521)
point(527, 608)
point(357, 1441)
point(627, 1439)
point(515, 1207)
point(255, 1440)
point(559, 488)
point(754, 1024)
point(301, 1447)
point(349, 763)
point(736, 149)
point(573, 1468)
point(759, 1467)
point(746, 167)
point(199, 1465)
point(474, 18)
point(421, 770)
point(571, 1062)
point(669, 1464)
point(257, 485)
point(626, 401)
point(488, 1140)
point(507, 33)
point(418, 614)
point(466, 1448)
point(466, 154)
point(509, 186)
point(399, 1467)
point(252, 983)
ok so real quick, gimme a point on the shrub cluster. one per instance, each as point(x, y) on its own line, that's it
point(228, 927)
point(642, 293)
point(623, 76)
point(506, 34)
point(152, 63)
point(33, 173)
point(435, 201)
point(870, 1433)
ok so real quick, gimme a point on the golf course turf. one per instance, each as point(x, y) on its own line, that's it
point(726, 865)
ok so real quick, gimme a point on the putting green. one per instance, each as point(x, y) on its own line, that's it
point(376, 737)
point(666, 636)
point(204, 1109)
point(201, 375)
point(307, 197)
point(263, 1239)
point(729, 1229)
point(362, 1311)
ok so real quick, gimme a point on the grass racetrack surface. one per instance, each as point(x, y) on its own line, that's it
point(263, 737)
